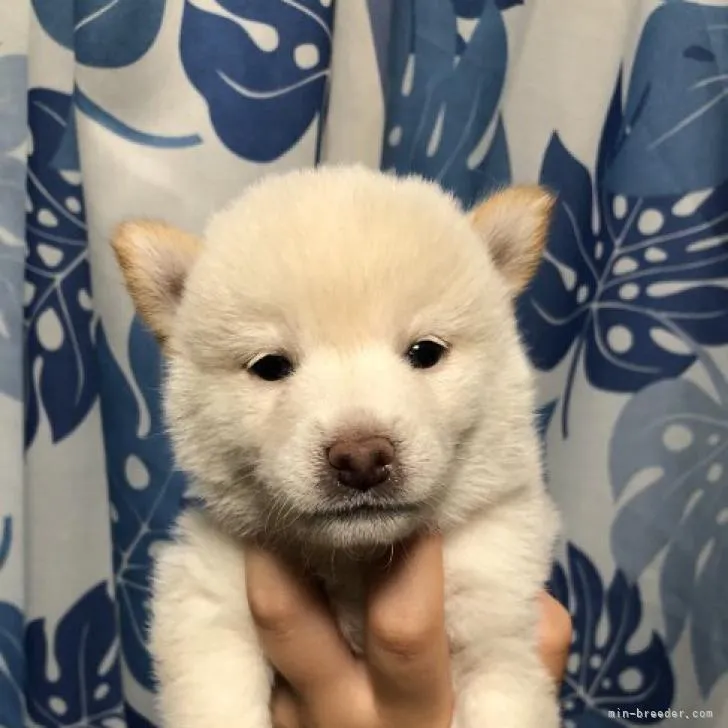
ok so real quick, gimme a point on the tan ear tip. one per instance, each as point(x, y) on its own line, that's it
point(122, 235)
point(549, 199)
point(129, 234)
point(538, 196)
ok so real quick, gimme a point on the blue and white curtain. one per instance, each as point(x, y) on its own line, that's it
point(112, 109)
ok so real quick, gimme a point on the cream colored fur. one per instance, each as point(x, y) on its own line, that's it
point(343, 269)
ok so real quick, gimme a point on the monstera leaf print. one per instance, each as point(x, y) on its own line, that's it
point(13, 130)
point(108, 34)
point(12, 254)
point(102, 33)
point(261, 66)
point(59, 316)
point(603, 673)
point(12, 665)
point(473, 8)
point(72, 673)
point(12, 657)
point(673, 135)
point(13, 79)
point(669, 473)
point(544, 415)
point(135, 719)
point(446, 77)
point(146, 491)
point(88, 107)
point(624, 294)
point(6, 538)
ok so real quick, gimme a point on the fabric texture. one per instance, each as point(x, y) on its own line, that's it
point(127, 108)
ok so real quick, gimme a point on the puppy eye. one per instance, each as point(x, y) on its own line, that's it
point(426, 353)
point(271, 367)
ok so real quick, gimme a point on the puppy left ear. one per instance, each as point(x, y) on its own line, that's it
point(514, 225)
point(155, 259)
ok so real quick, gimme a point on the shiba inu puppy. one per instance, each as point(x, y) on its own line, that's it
point(344, 369)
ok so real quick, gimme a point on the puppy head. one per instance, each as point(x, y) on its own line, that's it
point(343, 363)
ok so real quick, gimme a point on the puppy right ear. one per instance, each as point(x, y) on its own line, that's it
point(514, 223)
point(155, 259)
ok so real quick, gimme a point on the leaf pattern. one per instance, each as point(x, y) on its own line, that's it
point(146, 491)
point(102, 33)
point(107, 34)
point(473, 8)
point(264, 77)
point(628, 295)
point(668, 464)
point(446, 78)
point(12, 666)
point(101, 116)
point(12, 253)
point(13, 74)
point(673, 135)
point(12, 657)
point(13, 71)
point(59, 315)
point(603, 673)
point(544, 415)
point(73, 674)
point(380, 18)
point(6, 538)
point(135, 719)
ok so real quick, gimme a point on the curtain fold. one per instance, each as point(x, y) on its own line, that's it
point(168, 108)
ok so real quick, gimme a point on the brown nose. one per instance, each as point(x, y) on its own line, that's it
point(362, 463)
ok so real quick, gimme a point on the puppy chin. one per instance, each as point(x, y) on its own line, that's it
point(359, 531)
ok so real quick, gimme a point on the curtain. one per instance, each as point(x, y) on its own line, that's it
point(111, 109)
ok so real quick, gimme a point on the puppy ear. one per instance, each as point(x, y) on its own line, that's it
point(155, 259)
point(514, 224)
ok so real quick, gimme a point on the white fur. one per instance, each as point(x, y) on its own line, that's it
point(343, 269)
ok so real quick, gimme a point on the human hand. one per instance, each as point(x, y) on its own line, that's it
point(554, 636)
point(405, 680)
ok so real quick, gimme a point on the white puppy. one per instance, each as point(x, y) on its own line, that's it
point(344, 369)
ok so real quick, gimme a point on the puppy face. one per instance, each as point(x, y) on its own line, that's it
point(343, 364)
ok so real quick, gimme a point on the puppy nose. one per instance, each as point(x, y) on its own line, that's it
point(362, 463)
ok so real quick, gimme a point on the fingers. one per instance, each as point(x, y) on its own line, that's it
point(554, 636)
point(284, 709)
point(407, 681)
point(295, 628)
point(407, 648)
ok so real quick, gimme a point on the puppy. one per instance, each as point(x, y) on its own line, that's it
point(344, 369)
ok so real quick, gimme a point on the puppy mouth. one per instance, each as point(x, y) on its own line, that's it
point(365, 510)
